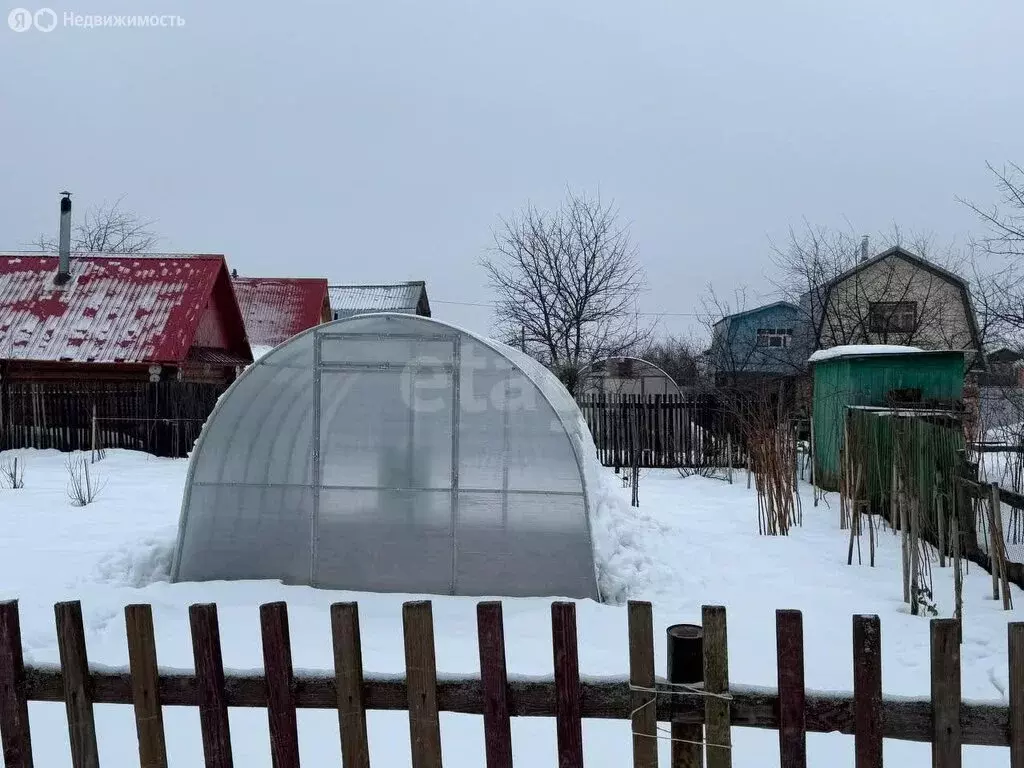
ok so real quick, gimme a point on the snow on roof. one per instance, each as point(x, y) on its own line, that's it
point(861, 350)
point(349, 300)
point(134, 309)
point(276, 308)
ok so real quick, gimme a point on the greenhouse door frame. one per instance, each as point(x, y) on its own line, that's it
point(319, 367)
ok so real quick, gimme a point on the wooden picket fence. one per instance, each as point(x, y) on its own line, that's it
point(162, 418)
point(703, 713)
point(661, 430)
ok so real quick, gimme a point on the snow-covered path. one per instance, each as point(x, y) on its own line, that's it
point(692, 541)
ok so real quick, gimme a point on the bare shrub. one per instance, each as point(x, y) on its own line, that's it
point(12, 472)
point(83, 487)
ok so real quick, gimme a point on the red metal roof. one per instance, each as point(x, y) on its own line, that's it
point(134, 309)
point(277, 308)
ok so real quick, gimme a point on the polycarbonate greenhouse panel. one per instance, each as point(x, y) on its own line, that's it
point(394, 453)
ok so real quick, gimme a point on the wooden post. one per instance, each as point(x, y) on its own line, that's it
point(494, 682)
point(686, 667)
point(210, 696)
point(790, 652)
point(280, 679)
point(904, 528)
point(1000, 534)
point(867, 691)
point(348, 680)
point(915, 555)
point(958, 577)
point(945, 652)
point(941, 519)
point(717, 727)
point(421, 679)
point(1015, 646)
point(642, 680)
point(149, 721)
point(814, 470)
point(15, 737)
point(94, 447)
point(728, 453)
point(993, 541)
point(74, 666)
point(568, 718)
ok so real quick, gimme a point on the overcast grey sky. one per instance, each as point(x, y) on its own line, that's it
point(381, 140)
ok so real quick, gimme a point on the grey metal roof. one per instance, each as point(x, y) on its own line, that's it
point(347, 300)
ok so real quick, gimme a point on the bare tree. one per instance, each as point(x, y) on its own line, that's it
point(107, 229)
point(1003, 280)
point(676, 356)
point(1005, 235)
point(567, 283)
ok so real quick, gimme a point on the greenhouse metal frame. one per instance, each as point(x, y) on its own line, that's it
point(359, 455)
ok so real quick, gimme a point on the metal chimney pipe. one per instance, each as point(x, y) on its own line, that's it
point(64, 243)
point(864, 248)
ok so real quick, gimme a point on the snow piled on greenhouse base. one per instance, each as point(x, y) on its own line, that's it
point(692, 541)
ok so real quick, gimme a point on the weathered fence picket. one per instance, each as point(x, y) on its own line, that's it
point(789, 631)
point(642, 699)
point(74, 668)
point(494, 684)
point(348, 681)
point(277, 664)
point(867, 691)
point(421, 680)
point(209, 686)
point(149, 721)
point(14, 729)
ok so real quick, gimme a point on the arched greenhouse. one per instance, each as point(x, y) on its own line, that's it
point(626, 376)
point(393, 453)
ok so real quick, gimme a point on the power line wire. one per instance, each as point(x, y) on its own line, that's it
point(491, 305)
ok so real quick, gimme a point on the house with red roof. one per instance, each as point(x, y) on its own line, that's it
point(119, 318)
point(276, 308)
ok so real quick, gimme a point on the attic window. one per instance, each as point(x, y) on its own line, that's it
point(892, 316)
point(774, 337)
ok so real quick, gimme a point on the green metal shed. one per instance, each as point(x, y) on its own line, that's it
point(879, 376)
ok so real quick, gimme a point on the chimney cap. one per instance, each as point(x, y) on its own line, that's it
point(65, 193)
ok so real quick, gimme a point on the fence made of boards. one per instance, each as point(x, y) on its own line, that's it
point(163, 418)
point(661, 431)
point(701, 704)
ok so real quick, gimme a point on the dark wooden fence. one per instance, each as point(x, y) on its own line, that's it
point(665, 430)
point(162, 418)
point(706, 712)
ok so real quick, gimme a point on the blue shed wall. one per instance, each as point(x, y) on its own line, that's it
point(736, 347)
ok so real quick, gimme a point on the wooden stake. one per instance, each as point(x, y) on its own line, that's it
point(997, 526)
point(993, 546)
point(942, 528)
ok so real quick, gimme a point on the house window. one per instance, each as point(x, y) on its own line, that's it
point(774, 337)
point(892, 317)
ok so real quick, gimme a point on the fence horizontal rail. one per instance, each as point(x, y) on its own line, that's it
point(750, 706)
point(979, 490)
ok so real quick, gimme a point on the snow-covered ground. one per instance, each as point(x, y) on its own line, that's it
point(692, 541)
